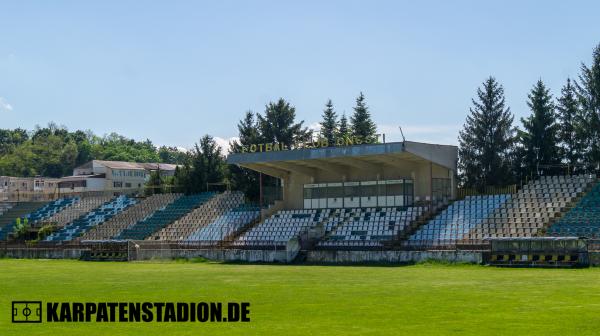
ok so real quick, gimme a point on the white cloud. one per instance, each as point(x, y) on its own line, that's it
point(224, 143)
point(315, 127)
point(4, 105)
point(431, 133)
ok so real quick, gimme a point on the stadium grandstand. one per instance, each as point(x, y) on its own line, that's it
point(370, 197)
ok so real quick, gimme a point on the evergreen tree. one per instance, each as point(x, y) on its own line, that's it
point(362, 125)
point(588, 93)
point(279, 124)
point(486, 143)
point(569, 118)
point(539, 137)
point(154, 183)
point(244, 179)
point(206, 164)
point(329, 126)
point(343, 130)
point(214, 161)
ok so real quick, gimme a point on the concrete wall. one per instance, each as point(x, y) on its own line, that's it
point(40, 253)
point(279, 256)
point(217, 255)
point(392, 256)
point(594, 258)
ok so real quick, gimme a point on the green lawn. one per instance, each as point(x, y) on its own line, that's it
point(316, 300)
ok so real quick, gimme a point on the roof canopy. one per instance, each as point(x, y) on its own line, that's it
point(369, 157)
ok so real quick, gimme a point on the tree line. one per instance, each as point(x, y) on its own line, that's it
point(53, 151)
point(560, 136)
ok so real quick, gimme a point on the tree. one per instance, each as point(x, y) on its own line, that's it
point(329, 126)
point(171, 155)
point(155, 183)
point(10, 139)
point(539, 137)
point(214, 161)
point(279, 125)
point(362, 125)
point(119, 148)
point(206, 165)
point(486, 142)
point(569, 132)
point(343, 130)
point(53, 151)
point(181, 177)
point(588, 93)
point(241, 178)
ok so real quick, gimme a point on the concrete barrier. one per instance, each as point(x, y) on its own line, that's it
point(216, 254)
point(344, 257)
point(279, 256)
point(41, 253)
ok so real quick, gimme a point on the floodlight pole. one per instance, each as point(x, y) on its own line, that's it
point(402, 133)
point(403, 138)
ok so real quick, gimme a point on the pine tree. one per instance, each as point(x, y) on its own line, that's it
point(206, 164)
point(539, 137)
point(279, 124)
point(214, 161)
point(343, 130)
point(154, 184)
point(569, 116)
point(588, 93)
point(486, 143)
point(362, 125)
point(241, 178)
point(329, 126)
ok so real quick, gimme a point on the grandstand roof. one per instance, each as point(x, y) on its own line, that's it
point(369, 156)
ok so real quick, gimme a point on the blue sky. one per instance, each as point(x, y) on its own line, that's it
point(173, 71)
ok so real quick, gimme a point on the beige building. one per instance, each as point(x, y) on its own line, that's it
point(23, 188)
point(99, 175)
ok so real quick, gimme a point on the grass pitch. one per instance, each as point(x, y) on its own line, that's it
point(316, 300)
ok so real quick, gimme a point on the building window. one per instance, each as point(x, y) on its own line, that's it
point(118, 184)
point(127, 185)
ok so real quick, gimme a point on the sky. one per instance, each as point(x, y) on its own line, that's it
point(172, 71)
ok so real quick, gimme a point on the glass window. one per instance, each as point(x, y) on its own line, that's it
point(308, 192)
point(369, 190)
point(351, 191)
point(319, 192)
point(395, 189)
point(335, 192)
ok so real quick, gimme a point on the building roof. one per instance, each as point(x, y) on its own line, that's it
point(31, 178)
point(129, 165)
point(81, 177)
